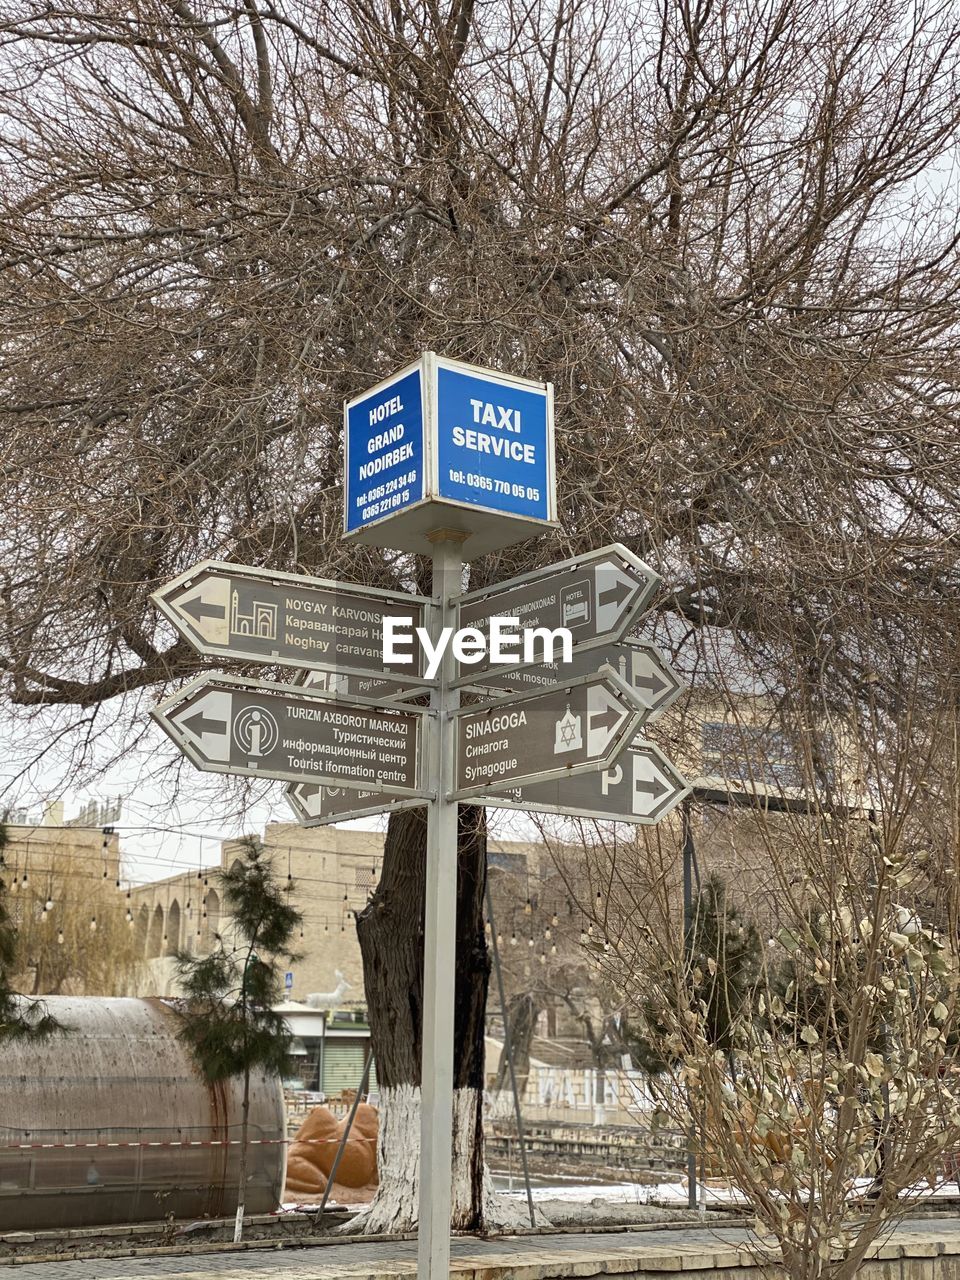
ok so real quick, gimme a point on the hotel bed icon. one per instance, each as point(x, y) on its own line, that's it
point(575, 603)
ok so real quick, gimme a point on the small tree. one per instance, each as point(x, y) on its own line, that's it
point(228, 1019)
point(17, 1020)
point(721, 972)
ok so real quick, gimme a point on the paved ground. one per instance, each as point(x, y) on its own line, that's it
point(516, 1255)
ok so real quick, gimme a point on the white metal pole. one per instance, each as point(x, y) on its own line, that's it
point(439, 938)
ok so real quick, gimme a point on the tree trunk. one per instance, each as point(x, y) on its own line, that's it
point(390, 931)
point(521, 1016)
point(242, 1176)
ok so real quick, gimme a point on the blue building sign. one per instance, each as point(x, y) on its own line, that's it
point(445, 445)
point(492, 443)
point(384, 450)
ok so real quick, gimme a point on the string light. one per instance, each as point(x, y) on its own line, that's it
point(513, 939)
point(60, 937)
point(554, 920)
point(528, 908)
point(93, 924)
point(543, 958)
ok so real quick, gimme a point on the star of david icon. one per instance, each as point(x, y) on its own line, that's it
point(568, 733)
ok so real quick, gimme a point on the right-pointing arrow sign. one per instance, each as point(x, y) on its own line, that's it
point(638, 662)
point(641, 786)
point(552, 733)
point(597, 597)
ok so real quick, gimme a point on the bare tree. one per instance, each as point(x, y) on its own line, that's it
point(833, 1101)
point(726, 234)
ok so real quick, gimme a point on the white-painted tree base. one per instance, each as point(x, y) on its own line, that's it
point(394, 1207)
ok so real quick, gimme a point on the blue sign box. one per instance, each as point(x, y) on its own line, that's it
point(384, 432)
point(445, 445)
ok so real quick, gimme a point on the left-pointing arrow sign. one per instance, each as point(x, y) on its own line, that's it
point(237, 611)
point(264, 730)
point(317, 806)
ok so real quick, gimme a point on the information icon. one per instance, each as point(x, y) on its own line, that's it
point(255, 731)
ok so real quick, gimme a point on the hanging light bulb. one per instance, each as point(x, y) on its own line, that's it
point(43, 914)
point(554, 920)
point(599, 899)
point(553, 949)
point(23, 882)
point(513, 939)
point(60, 937)
point(547, 934)
point(543, 958)
point(583, 938)
point(528, 908)
point(590, 929)
point(93, 924)
point(499, 939)
point(48, 905)
point(487, 929)
point(529, 942)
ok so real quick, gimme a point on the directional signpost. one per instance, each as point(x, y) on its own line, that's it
point(265, 730)
point(234, 611)
point(554, 733)
point(596, 597)
point(641, 786)
point(451, 461)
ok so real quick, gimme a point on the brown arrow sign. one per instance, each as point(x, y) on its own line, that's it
point(640, 663)
point(317, 806)
point(264, 730)
point(597, 597)
point(640, 786)
point(236, 611)
point(571, 728)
